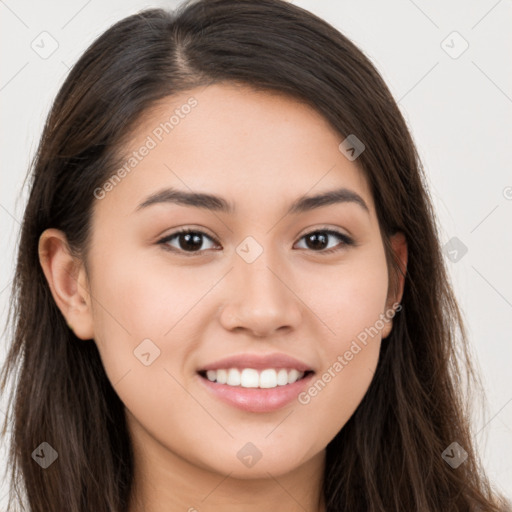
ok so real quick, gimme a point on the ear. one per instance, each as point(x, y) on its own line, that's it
point(67, 281)
point(397, 279)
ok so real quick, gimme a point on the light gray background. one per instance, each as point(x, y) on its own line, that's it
point(459, 109)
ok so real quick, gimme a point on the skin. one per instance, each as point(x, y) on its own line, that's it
point(261, 151)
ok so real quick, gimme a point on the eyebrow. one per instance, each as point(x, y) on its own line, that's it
point(219, 204)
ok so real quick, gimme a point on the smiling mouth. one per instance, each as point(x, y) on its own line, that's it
point(257, 379)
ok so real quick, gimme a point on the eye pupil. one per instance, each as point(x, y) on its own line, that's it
point(318, 240)
point(193, 240)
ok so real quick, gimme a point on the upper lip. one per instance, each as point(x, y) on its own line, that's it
point(258, 362)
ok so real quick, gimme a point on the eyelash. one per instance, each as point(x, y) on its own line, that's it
point(346, 241)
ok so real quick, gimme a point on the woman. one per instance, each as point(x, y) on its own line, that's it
point(305, 357)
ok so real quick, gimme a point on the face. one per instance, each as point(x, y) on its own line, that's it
point(282, 293)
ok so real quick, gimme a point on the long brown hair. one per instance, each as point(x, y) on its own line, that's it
point(388, 456)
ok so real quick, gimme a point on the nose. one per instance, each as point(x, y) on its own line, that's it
point(260, 298)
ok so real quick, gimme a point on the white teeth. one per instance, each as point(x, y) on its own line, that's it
point(268, 379)
point(293, 375)
point(233, 377)
point(251, 378)
point(282, 377)
point(222, 376)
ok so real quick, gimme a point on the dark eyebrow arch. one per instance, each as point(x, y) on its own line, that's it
point(219, 204)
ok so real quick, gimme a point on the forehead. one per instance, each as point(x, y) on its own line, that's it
point(249, 146)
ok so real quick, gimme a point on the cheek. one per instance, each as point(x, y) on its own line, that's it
point(351, 307)
point(350, 298)
point(135, 307)
point(133, 303)
point(143, 297)
point(336, 392)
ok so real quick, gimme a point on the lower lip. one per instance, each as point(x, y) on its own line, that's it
point(257, 399)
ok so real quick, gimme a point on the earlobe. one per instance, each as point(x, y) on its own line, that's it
point(67, 281)
point(386, 331)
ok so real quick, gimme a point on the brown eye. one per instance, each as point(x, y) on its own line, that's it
point(188, 241)
point(318, 241)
